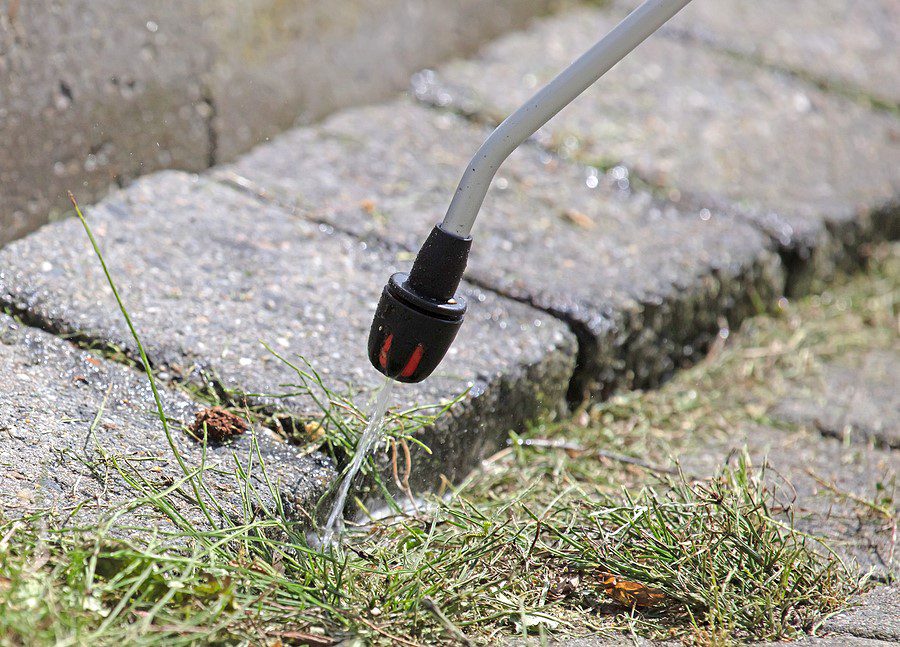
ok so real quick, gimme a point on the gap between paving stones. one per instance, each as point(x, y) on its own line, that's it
point(316, 471)
point(838, 88)
point(830, 238)
point(662, 311)
point(589, 350)
point(309, 473)
point(54, 389)
point(648, 310)
point(797, 261)
point(809, 57)
point(200, 385)
point(213, 267)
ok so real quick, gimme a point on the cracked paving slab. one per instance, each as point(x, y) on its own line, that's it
point(816, 170)
point(644, 283)
point(208, 273)
point(65, 414)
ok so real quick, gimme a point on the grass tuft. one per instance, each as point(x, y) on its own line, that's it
point(576, 528)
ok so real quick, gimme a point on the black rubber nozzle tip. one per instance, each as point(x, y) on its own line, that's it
point(419, 313)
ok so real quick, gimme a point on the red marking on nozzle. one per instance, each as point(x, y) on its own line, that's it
point(385, 347)
point(413, 362)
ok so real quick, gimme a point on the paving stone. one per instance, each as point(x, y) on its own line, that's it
point(816, 170)
point(208, 272)
point(330, 57)
point(96, 92)
point(61, 406)
point(627, 639)
point(93, 92)
point(850, 44)
point(833, 641)
point(643, 283)
point(816, 480)
point(613, 640)
point(876, 617)
point(857, 398)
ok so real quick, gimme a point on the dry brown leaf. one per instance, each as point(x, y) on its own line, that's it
point(579, 219)
point(630, 594)
point(314, 430)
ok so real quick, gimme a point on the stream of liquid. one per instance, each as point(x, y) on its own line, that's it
point(367, 442)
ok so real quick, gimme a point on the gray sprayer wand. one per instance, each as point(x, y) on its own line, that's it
point(419, 313)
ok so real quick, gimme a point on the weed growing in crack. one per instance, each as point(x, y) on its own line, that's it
point(576, 528)
point(470, 569)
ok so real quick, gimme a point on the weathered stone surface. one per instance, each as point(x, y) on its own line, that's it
point(627, 639)
point(850, 44)
point(97, 92)
point(280, 62)
point(208, 273)
point(807, 165)
point(833, 641)
point(857, 398)
point(825, 641)
point(876, 617)
point(91, 93)
point(644, 284)
point(599, 641)
point(821, 482)
point(63, 408)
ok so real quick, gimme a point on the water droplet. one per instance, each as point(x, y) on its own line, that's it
point(619, 173)
point(802, 102)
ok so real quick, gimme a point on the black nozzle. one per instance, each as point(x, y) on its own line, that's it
point(419, 313)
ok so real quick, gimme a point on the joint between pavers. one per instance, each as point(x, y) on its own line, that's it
point(825, 84)
point(212, 133)
point(577, 328)
point(78, 338)
point(200, 386)
point(592, 347)
point(606, 363)
point(799, 258)
point(252, 190)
